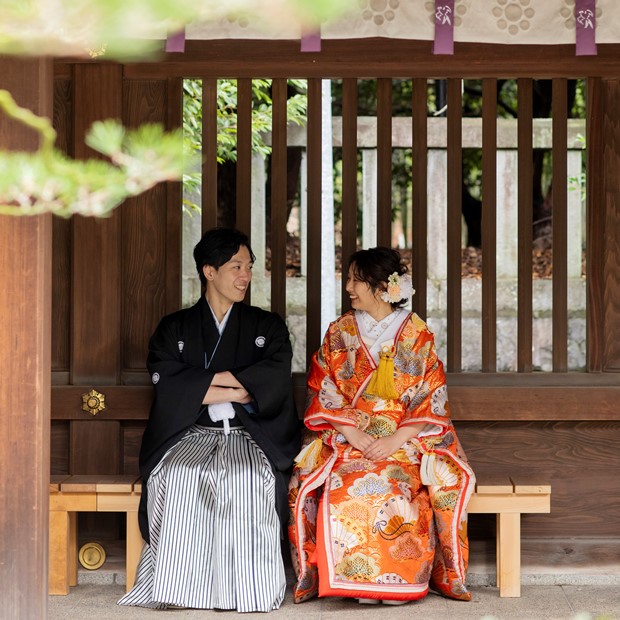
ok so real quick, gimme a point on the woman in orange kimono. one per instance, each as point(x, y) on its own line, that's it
point(379, 492)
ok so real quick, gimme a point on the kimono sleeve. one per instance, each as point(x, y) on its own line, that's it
point(179, 386)
point(268, 381)
point(426, 400)
point(326, 403)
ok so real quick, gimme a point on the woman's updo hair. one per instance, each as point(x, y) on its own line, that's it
point(375, 265)
point(217, 247)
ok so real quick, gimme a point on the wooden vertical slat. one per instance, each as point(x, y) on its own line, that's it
point(560, 227)
point(278, 198)
point(314, 227)
point(244, 156)
point(489, 225)
point(209, 154)
point(525, 210)
point(349, 179)
point(595, 213)
point(96, 242)
point(174, 203)
point(611, 238)
point(384, 162)
point(419, 155)
point(455, 182)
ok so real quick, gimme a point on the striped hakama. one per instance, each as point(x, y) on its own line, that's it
point(215, 533)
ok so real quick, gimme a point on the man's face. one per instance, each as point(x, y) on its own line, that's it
point(230, 282)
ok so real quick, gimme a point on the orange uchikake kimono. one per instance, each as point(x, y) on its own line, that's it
point(379, 529)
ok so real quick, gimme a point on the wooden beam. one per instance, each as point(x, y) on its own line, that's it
point(378, 57)
point(25, 359)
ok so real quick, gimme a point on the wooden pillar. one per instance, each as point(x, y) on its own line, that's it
point(25, 345)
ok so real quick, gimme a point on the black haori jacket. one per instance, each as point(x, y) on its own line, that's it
point(255, 347)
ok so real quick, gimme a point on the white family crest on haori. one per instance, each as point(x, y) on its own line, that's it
point(155, 377)
point(181, 345)
point(260, 341)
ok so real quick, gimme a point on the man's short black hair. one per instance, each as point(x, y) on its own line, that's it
point(217, 247)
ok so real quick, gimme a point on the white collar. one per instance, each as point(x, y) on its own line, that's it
point(220, 325)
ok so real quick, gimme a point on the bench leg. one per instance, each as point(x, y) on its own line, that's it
point(134, 548)
point(58, 568)
point(73, 549)
point(509, 554)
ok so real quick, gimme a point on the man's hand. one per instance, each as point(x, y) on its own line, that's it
point(239, 395)
point(225, 379)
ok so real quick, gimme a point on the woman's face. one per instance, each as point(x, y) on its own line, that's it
point(362, 296)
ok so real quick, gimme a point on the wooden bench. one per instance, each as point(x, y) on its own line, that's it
point(507, 498)
point(72, 494)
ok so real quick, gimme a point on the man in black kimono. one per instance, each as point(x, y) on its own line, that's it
point(218, 446)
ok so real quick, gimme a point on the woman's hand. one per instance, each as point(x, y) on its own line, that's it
point(384, 447)
point(354, 436)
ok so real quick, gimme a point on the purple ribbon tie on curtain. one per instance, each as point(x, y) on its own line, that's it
point(311, 41)
point(176, 42)
point(444, 27)
point(585, 27)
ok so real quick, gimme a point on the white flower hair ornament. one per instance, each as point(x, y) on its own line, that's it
point(398, 287)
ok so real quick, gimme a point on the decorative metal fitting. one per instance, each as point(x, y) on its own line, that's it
point(92, 555)
point(93, 402)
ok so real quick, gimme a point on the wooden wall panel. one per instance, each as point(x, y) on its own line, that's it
point(96, 242)
point(94, 447)
point(62, 242)
point(580, 460)
point(132, 439)
point(59, 447)
point(143, 239)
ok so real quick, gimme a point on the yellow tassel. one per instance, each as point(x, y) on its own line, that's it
point(382, 381)
point(309, 457)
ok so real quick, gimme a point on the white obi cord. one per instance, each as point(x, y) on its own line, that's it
point(219, 412)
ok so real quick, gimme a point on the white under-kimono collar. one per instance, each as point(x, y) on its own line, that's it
point(377, 333)
point(221, 326)
point(375, 329)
